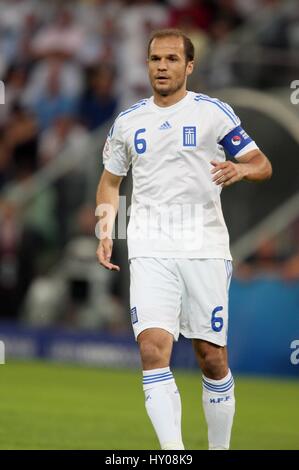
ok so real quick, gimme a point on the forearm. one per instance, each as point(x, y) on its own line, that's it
point(257, 169)
point(107, 207)
point(253, 166)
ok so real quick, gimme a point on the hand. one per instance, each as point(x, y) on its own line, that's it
point(104, 252)
point(227, 173)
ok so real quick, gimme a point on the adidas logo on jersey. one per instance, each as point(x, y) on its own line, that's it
point(165, 125)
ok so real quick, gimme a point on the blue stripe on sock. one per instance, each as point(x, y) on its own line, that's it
point(218, 391)
point(156, 375)
point(217, 386)
point(207, 381)
point(210, 384)
point(223, 388)
point(158, 380)
point(169, 376)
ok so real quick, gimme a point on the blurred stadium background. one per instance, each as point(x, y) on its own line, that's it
point(68, 69)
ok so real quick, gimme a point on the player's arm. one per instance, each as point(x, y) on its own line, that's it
point(252, 166)
point(107, 207)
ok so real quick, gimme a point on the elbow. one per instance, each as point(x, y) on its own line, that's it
point(268, 170)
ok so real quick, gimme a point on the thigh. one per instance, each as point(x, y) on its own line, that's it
point(155, 295)
point(205, 299)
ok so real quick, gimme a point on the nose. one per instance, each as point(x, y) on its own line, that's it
point(162, 65)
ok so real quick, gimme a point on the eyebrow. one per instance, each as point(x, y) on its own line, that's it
point(168, 56)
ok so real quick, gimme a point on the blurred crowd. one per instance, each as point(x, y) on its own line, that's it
point(276, 257)
point(68, 68)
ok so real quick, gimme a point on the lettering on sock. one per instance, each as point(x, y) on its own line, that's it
point(220, 399)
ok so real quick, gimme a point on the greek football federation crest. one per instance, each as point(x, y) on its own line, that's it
point(189, 136)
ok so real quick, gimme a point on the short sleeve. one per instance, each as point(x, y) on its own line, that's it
point(230, 134)
point(116, 158)
point(225, 119)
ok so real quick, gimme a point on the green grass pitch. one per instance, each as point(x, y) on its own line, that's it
point(50, 406)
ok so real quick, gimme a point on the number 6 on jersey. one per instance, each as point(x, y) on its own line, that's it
point(140, 144)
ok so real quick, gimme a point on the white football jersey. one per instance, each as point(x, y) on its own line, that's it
point(175, 208)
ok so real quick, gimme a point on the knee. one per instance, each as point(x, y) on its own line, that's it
point(214, 366)
point(213, 362)
point(151, 355)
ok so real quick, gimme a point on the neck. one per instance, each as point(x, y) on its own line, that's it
point(165, 101)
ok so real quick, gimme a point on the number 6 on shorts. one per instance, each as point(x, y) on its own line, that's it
point(216, 322)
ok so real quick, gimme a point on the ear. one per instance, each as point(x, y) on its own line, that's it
point(190, 66)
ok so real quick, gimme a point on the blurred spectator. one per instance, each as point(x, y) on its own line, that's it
point(197, 13)
point(216, 67)
point(266, 260)
point(15, 81)
point(136, 21)
point(67, 74)
point(290, 271)
point(53, 102)
point(246, 8)
point(228, 11)
point(64, 132)
point(99, 103)
point(100, 19)
point(63, 36)
point(21, 136)
point(4, 159)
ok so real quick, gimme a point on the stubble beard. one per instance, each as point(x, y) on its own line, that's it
point(170, 91)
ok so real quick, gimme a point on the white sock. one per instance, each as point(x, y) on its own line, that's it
point(163, 406)
point(219, 408)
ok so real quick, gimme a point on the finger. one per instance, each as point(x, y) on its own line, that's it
point(102, 260)
point(221, 181)
point(230, 181)
point(102, 257)
point(111, 267)
point(114, 267)
point(220, 166)
point(105, 260)
point(107, 252)
point(220, 174)
point(108, 265)
point(221, 178)
point(215, 165)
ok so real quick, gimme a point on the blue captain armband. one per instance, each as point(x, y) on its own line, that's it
point(235, 141)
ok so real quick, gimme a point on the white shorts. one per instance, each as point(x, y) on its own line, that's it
point(187, 296)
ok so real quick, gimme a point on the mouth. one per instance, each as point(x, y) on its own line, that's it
point(161, 78)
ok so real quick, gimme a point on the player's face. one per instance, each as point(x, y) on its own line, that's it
point(168, 69)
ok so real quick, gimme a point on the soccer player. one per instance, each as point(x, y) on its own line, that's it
point(180, 262)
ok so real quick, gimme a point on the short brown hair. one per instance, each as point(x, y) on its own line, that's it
point(165, 33)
